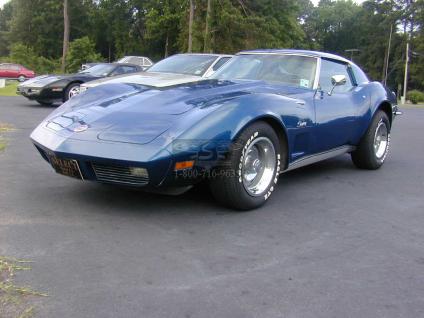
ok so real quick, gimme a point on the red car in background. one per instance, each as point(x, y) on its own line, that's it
point(15, 71)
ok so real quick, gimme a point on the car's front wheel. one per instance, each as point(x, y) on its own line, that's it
point(21, 78)
point(251, 172)
point(374, 146)
point(71, 91)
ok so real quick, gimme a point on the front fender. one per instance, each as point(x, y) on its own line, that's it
point(221, 126)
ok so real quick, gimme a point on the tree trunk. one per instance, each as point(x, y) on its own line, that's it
point(207, 35)
point(65, 34)
point(190, 27)
point(166, 44)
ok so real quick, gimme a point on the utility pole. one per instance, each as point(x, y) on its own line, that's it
point(388, 56)
point(405, 81)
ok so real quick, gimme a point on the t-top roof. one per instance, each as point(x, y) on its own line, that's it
point(300, 52)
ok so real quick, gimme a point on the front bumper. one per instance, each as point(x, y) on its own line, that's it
point(40, 93)
point(108, 168)
point(114, 162)
point(396, 111)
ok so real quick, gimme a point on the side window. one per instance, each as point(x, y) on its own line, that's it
point(117, 71)
point(15, 67)
point(360, 76)
point(331, 68)
point(146, 62)
point(221, 62)
point(124, 70)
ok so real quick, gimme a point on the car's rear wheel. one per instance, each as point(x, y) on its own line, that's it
point(374, 146)
point(71, 91)
point(249, 176)
point(21, 78)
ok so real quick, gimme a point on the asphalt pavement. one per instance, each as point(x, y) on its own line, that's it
point(333, 241)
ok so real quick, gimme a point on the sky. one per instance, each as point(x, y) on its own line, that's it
point(315, 2)
point(2, 2)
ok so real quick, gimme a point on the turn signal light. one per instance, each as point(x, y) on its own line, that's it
point(184, 165)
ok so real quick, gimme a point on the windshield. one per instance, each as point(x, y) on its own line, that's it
point(184, 64)
point(293, 70)
point(99, 70)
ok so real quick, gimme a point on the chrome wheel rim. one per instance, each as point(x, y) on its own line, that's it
point(381, 140)
point(258, 166)
point(74, 91)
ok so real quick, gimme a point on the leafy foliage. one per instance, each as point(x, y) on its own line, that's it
point(25, 55)
point(416, 97)
point(157, 28)
point(81, 51)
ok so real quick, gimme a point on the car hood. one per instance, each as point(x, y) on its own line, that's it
point(138, 114)
point(147, 78)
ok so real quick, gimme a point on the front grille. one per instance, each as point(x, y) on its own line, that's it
point(118, 175)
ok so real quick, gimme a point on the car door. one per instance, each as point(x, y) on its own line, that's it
point(14, 71)
point(336, 107)
point(4, 71)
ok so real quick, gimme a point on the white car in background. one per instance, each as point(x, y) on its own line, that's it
point(142, 61)
point(174, 70)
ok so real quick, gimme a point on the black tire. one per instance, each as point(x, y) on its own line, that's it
point(68, 90)
point(44, 103)
point(366, 156)
point(227, 184)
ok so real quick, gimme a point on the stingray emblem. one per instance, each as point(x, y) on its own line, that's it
point(81, 128)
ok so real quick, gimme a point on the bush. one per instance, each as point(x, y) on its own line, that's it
point(81, 51)
point(415, 96)
point(26, 56)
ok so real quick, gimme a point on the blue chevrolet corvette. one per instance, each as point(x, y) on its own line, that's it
point(265, 112)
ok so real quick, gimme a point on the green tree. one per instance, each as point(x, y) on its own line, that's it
point(6, 15)
point(81, 51)
point(25, 55)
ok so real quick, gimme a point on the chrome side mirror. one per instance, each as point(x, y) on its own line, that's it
point(337, 80)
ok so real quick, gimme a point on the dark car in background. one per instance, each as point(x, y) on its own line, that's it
point(15, 71)
point(48, 89)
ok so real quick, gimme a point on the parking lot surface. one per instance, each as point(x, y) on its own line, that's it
point(333, 241)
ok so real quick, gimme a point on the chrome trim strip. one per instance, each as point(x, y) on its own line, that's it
point(319, 157)
point(317, 74)
point(117, 175)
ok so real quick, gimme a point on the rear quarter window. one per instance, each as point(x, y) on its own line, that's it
point(360, 76)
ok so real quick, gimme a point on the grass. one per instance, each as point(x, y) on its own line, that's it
point(10, 89)
point(2, 145)
point(4, 128)
point(15, 301)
